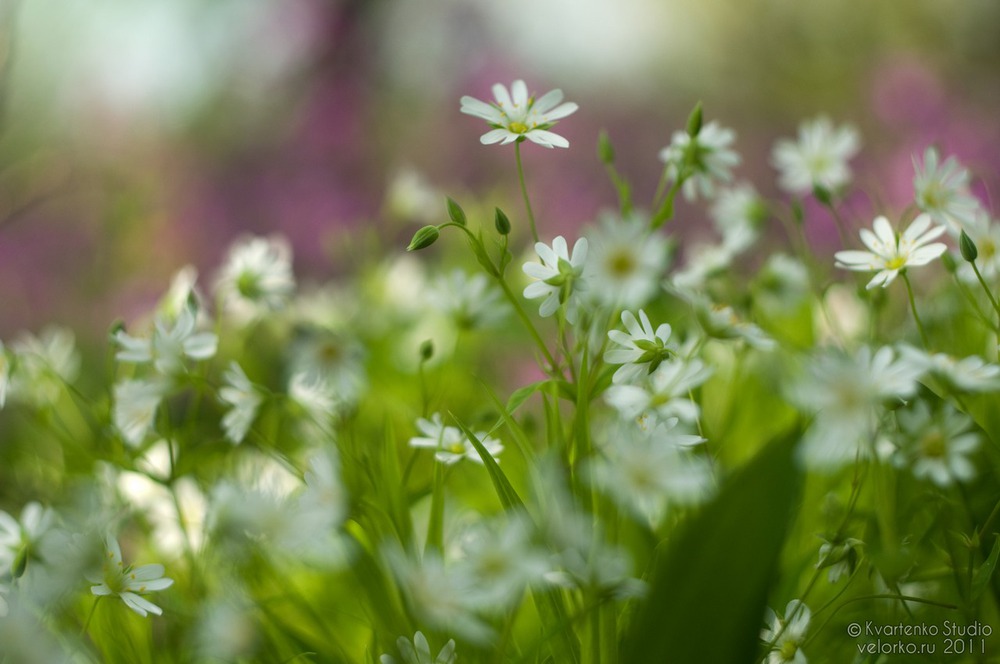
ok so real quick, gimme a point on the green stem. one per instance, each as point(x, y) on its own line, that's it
point(523, 315)
point(913, 308)
point(90, 617)
point(524, 190)
point(989, 293)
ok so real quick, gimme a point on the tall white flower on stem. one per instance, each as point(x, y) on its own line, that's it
point(560, 276)
point(256, 277)
point(641, 350)
point(169, 344)
point(702, 160)
point(890, 253)
point(818, 160)
point(941, 189)
point(625, 262)
point(451, 444)
point(129, 583)
point(785, 635)
point(516, 116)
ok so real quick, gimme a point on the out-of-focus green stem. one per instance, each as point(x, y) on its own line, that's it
point(524, 190)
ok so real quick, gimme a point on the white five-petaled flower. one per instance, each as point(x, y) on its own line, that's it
point(702, 160)
point(468, 300)
point(942, 191)
point(664, 394)
point(625, 261)
point(560, 276)
point(127, 582)
point(968, 374)
point(257, 276)
point(135, 404)
point(938, 444)
point(738, 213)
point(451, 443)
point(642, 350)
point(244, 399)
point(818, 159)
point(516, 116)
point(21, 538)
point(890, 253)
point(785, 635)
point(169, 344)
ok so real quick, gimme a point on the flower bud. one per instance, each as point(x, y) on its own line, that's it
point(501, 222)
point(426, 350)
point(424, 238)
point(455, 212)
point(694, 121)
point(605, 151)
point(967, 247)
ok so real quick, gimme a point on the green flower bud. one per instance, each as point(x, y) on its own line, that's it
point(694, 121)
point(455, 212)
point(20, 563)
point(424, 238)
point(426, 350)
point(501, 221)
point(823, 195)
point(605, 151)
point(967, 247)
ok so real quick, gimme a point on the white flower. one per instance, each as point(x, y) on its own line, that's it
point(642, 471)
point(128, 582)
point(168, 345)
point(625, 261)
point(23, 537)
point(44, 365)
point(642, 349)
point(721, 322)
point(942, 191)
point(181, 294)
point(503, 561)
point(664, 394)
point(890, 253)
point(839, 558)
point(738, 213)
point(468, 300)
point(515, 116)
point(244, 399)
point(818, 159)
point(419, 652)
point(792, 630)
point(969, 374)
point(451, 444)
point(256, 277)
point(135, 404)
point(703, 261)
point(335, 359)
point(560, 277)
point(846, 393)
point(314, 396)
point(938, 444)
point(701, 161)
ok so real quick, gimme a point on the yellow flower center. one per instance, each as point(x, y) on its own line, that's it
point(519, 127)
point(933, 445)
point(896, 263)
point(788, 650)
point(621, 263)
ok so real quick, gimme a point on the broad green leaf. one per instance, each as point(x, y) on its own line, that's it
point(710, 587)
point(985, 572)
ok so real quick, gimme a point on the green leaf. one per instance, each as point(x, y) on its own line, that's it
point(985, 572)
point(455, 212)
point(710, 587)
point(505, 491)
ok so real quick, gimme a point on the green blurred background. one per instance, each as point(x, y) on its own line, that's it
point(137, 136)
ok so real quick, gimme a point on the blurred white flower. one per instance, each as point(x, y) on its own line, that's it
point(314, 397)
point(703, 261)
point(664, 394)
point(129, 583)
point(625, 261)
point(226, 630)
point(792, 630)
point(818, 159)
point(938, 444)
point(419, 652)
point(890, 253)
point(256, 277)
point(985, 233)
point(450, 443)
point(169, 344)
point(641, 350)
point(409, 196)
point(644, 470)
point(847, 393)
point(969, 374)
point(334, 358)
point(134, 409)
point(942, 191)
point(503, 561)
point(721, 322)
point(243, 398)
point(470, 301)
point(45, 364)
point(20, 540)
point(515, 116)
point(176, 525)
point(701, 161)
point(738, 213)
point(839, 558)
point(560, 276)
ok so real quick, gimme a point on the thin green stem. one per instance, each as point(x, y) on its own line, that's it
point(90, 617)
point(523, 315)
point(989, 293)
point(524, 190)
point(913, 308)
